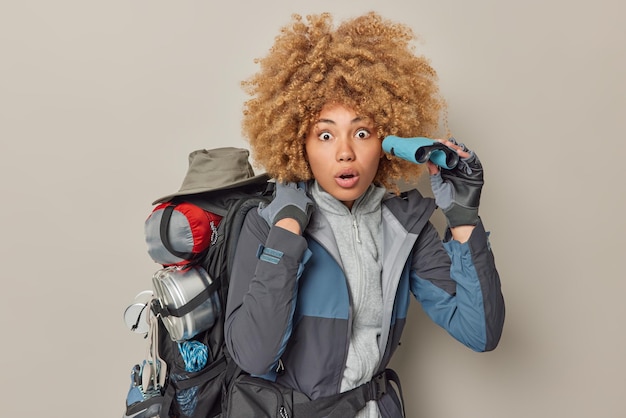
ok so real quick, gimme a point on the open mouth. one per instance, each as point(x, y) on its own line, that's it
point(347, 179)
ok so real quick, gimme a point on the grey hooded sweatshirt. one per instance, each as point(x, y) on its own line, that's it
point(358, 233)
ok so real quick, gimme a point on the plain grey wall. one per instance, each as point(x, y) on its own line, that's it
point(100, 103)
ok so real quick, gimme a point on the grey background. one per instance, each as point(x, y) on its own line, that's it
point(100, 103)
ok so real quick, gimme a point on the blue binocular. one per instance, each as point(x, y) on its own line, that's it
point(419, 150)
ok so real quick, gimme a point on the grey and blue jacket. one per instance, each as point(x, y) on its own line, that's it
point(289, 302)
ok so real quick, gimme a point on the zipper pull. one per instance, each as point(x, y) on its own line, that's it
point(356, 230)
point(280, 367)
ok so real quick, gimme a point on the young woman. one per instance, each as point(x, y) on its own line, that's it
point(324, 274)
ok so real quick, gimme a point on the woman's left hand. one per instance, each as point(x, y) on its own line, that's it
point(457, 190)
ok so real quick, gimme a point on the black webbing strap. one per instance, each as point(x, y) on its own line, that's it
point(347, 404)
point(196, 301)
point(164, 228)
point(392, 376)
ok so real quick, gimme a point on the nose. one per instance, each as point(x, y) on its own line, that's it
point(344, 150)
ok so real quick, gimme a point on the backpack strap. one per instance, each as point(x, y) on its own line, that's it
point(347, 404)
point(196, 301)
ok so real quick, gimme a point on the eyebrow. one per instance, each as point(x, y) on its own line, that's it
point(353, 121)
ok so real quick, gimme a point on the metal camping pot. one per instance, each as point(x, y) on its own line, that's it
point(174, 287)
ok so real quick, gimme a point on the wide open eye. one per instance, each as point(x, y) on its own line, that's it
point(325, 136)
point(362, 134)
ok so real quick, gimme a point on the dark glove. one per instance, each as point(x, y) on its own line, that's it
point(290, 201)
point(457, 191)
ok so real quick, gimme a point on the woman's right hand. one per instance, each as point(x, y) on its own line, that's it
point(291, 207)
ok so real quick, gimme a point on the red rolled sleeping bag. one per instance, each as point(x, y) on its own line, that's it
point(178, 233)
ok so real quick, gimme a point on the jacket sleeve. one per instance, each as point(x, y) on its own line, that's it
point(459, 287)
point(262, 294)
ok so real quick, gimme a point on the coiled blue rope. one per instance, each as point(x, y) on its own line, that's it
point(195, 355)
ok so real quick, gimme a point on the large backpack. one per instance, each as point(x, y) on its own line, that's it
point(193, 234)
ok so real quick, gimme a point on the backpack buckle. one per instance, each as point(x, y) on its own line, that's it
point(378, 386)
point(158, 309)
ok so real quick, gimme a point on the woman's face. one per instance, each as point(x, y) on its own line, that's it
point(343, 152)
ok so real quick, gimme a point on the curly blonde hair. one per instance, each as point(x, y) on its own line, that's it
point(367, 63)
